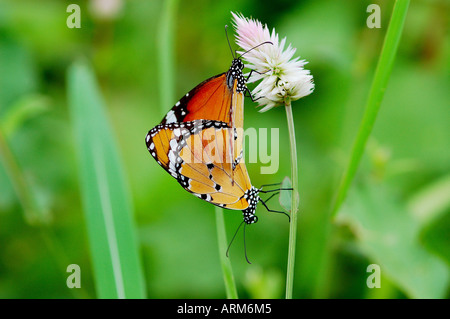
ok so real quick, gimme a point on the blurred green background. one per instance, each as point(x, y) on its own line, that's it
point(396, 214)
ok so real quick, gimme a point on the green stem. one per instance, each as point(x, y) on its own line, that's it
point(295, 202)
point(31, 210)
point(227, 271)
point(376, 94)
point(165, 44)
point(18, 181)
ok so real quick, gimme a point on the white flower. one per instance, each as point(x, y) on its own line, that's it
point(106, 9)
point(282, 77)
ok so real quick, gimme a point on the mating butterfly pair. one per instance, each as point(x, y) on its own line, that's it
point(199, 143)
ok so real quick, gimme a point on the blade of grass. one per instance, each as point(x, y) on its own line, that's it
point(27, 107)
point(107, 206)
point(26, 198)
point(33, 213)
point(376, 94)
point(294, 202)
point(227, 271)
point(166, 54)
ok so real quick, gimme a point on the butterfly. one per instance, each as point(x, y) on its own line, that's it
point(199, 143)
point(219, 98)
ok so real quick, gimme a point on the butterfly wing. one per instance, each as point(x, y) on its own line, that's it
point(199, 141)
point(197, 154)
point(215, 99)
point(210, 100)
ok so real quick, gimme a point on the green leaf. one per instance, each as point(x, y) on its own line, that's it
point(431, 201)
point(25, 108)
point(227, 271)
point(390, 236)
point(430, 206)
point(105, 194)
point(285, 197)
point(374, 100)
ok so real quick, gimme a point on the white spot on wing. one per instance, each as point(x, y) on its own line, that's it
point(170, 117)
point(172, 158)
point(173, 144)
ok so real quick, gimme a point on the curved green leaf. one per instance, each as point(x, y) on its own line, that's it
point(107, 207)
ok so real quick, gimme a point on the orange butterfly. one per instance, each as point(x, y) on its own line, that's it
point(199, 143)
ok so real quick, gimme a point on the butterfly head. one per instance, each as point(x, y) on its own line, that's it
point(252, 197)
point(237, 64)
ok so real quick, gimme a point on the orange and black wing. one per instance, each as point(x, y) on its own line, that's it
point(197, 154)
point(215, 99)
point(219, 98)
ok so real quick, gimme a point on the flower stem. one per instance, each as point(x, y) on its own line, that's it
point(18, 181)
point(295, 202)
point(33, 215)
point(227, 271)
point(376, 94)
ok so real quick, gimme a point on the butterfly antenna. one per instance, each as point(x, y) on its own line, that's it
point(232, 239)
point(229, 44)
point(267, 42)
point(245, 247)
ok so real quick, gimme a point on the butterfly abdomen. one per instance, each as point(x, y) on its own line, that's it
point(252, 197)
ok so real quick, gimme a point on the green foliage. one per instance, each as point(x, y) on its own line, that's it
point(285, 197)
point(389, 235)
point(376, 95)
point(107, 206)
point(230, 285)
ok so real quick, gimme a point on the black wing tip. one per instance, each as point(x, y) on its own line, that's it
point(148, 138)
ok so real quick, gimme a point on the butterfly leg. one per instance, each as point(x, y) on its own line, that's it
point(274, 184)
point(273, 211)
point(275, 190)
point(248, 91)
point(251, 96)
point(251, 71)
point(271, 196)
